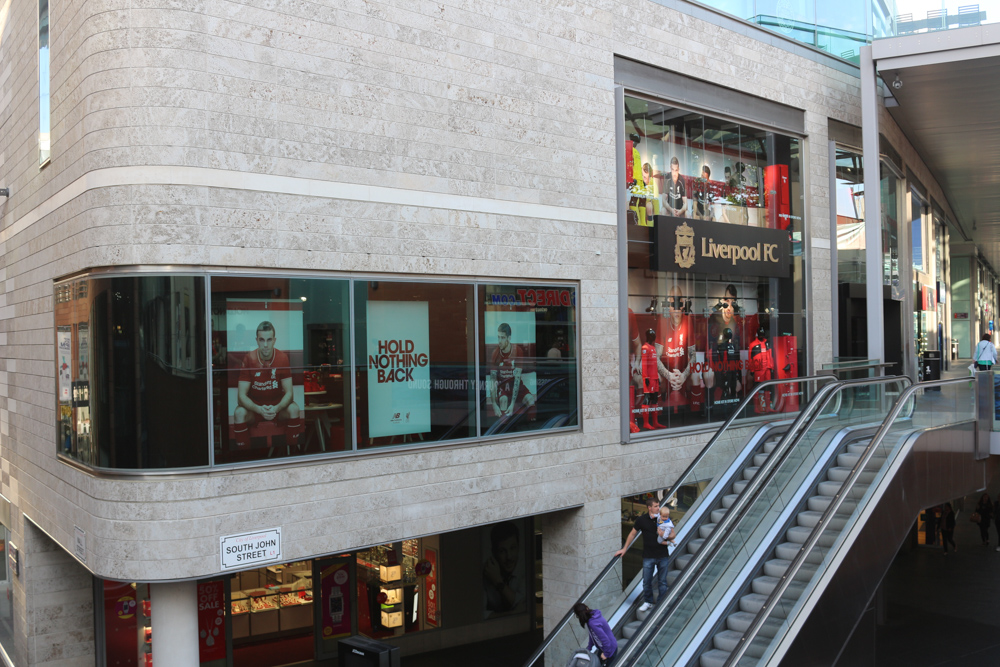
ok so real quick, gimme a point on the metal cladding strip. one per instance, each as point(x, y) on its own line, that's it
point(697, 460)
point(291, 185)
point(638, 644)
point(828, 515)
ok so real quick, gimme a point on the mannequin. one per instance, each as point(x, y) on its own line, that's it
point(650, 381)
point(728, 356)
point(762, 365)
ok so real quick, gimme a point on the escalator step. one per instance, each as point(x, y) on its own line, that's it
point(752, 602)
point(672, 576)
point(727, 640)
point(776, 567)
point(858, 447)
point(694, 545)
point(682, 561)
point(739, 486)
point(789, 550)
point(820, 503)
point(740, 622)
point(630, 629)
point(729, 499)
point(847, 460)
point(759, 459)
point(705, 530)
point(799, 535)
point(810, 518)
point(718, 514)
point(749, 472)
point(840, 474)
point(714, 658)
point(641, 615)
point(764, 585)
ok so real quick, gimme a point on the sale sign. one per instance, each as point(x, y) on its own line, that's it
point(211, 621)
point(399, 374)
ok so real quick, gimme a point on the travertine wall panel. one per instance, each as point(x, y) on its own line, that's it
point(509, 102)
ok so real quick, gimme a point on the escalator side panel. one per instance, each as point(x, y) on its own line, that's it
point(939, 467)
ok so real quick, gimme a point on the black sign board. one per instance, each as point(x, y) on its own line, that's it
point(698, 246)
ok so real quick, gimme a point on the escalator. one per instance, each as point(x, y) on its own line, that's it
point(784, 577)
point(712, 483)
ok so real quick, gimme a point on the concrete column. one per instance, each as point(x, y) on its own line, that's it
point(53, 600)
point(873, 205)
point(175, 623)
point(576, 545)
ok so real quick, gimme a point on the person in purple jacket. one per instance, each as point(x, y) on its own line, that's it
point(600, 634)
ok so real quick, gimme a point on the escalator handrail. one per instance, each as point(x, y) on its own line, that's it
point(732, 418)
point(649, 629)
point(828, 514)
point(673, 493)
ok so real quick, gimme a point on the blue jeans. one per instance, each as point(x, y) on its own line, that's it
point(648, 564)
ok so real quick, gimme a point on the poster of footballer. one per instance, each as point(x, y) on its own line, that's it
point(510, 350)
point(265, 388)
point(399, 374)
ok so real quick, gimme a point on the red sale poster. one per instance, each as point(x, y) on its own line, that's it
point(211, 621)
point(431, 589)
point(336, 598)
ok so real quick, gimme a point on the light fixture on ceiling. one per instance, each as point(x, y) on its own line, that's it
point(897, 83)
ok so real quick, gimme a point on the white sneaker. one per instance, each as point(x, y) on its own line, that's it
point(645, 606)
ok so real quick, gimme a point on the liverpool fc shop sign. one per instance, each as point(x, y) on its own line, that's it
point(680, 244)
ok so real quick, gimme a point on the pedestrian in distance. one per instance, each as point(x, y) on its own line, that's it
point(986, 353)
point(598, 631)
point(985, 511)
point(948, 529)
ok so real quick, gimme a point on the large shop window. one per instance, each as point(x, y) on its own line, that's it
point(715, 266)
point(295, 371)
point(132, 384)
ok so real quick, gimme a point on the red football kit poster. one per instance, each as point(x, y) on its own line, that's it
point(265, 377)
point(675, 356)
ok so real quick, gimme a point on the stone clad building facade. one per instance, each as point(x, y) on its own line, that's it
point(215, 156)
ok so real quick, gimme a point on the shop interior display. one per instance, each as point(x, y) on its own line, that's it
point(270, 600)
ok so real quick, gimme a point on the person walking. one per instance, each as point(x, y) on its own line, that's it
point(654, 555)
point(985, 511)
point(948, 529)
point(598, 631)
point(986, 353)
point(996, 519)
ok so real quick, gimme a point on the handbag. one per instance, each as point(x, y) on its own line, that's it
point(974, 517)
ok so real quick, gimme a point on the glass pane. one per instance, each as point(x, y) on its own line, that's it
point(528, 358)
point(43, 82)
point(144, 339)
point(415, 362)
point(850, 217)
point(917, 231)
point(280, 347)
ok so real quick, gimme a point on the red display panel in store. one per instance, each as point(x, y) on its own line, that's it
point(121, 638)
point(211, 621)
point(431, 589)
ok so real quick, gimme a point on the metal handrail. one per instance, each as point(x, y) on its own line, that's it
point(673, 493)
point(640, 641)
point(828, 514)
point(732, 418)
